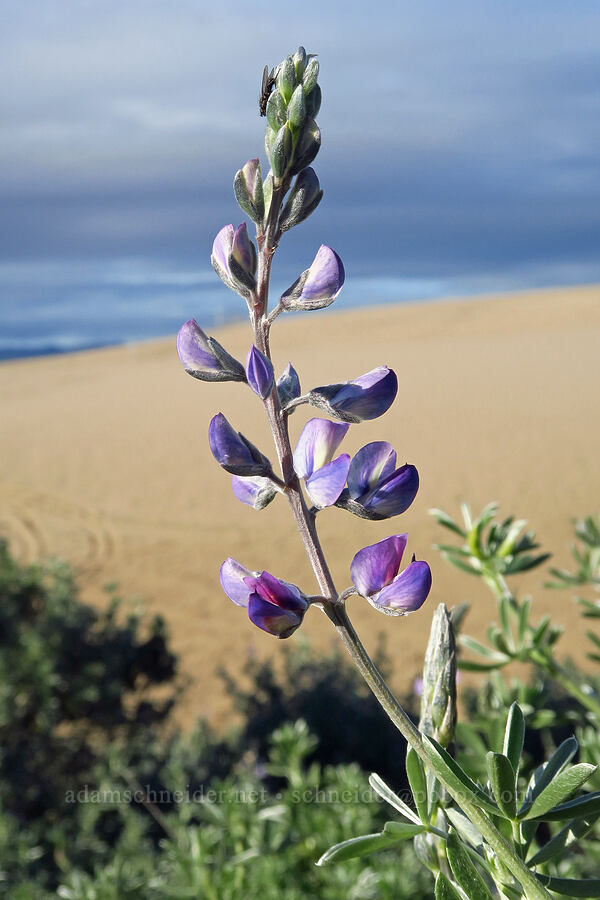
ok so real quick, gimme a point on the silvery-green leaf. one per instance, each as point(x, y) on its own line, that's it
point(449, 771)
point(464, 870)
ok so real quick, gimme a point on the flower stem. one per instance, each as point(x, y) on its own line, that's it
point(333, 607)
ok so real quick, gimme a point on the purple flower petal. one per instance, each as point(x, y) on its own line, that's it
point(366, 397)
point(259, 372)
point(316, 445)
point(222, 248)
point(256, 492)
point(325, 277)
point(232, 576)
point(408, 591)
point(326, 484)
point(243, 250)
point(234, 452)
point(375, 566)
point(204, 358)
point(394, 495)
point(372, 463)
point(273, 619)
point(280, 593)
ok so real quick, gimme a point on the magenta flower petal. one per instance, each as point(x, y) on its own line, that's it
point(326, 484)
point(256, 491)
point(259, 373)
point(408, 591)
point(375, 566)
point(281, 593)
point(372, 463)
point(233, 451)
point(316, 445)
point(232, 576)
point(271, 618)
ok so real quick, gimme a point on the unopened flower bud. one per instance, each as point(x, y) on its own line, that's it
point(313, 101)
point(303, 199)
point(288, 385)
point(259, 373)
point(248, 189)
point(276, 111)
point(319, 285)
point(286, 79)
point(311, 74)
point(234, 452)
point(309, 144)
point(280, 151)
point(256, 491)
point(438, 700)
point(367, 397)
point(299, 59)
point(297, 108)
point(204, 358)
point(234, 259)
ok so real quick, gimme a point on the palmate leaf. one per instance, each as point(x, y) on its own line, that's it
point(393, 833)
point(562, 786)
point(464, 870)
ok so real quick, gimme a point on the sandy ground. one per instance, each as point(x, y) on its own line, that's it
point(105, 463)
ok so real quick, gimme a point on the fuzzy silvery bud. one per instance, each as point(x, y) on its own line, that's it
point(319, 285)
point(280, 151)
point(288, 385)
point(303, 199)
point(311, 74)
point(259, 373)
point(286, 79)
point(438, 700)
point(235, 453)
point(309, 144)
point(256, 491)
point(234, 259)
point(299, 59)
point(248, 189)
point(297, 108)
point(204, 358)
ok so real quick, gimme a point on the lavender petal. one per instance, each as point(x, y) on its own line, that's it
point(316, 445)
point(408, 591)
point(372, 463)
point(326, 484)
point(259, 373)
point(376, 566)
point(273, 619)
point(232, 576)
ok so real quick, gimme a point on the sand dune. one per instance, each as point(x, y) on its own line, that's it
point(105, 462)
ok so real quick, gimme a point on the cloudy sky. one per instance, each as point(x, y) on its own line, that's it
point(460, 151)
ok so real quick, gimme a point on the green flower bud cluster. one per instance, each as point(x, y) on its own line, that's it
point(438, 700)
point(292, 138)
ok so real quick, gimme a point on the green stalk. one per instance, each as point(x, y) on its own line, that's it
point(338, 615)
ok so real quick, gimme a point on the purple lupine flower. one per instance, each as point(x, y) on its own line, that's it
point(273, 605)
point(256, 492)
point(233, 451)
point(319, 285)
point(324, 479)
point(204, 358)
point(259, 373)
point(364, 398)
point(234, 259)
point(288, 385)
point(374, 572)
point(376, 488)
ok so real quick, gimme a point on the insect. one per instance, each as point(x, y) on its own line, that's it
point(268, 83)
